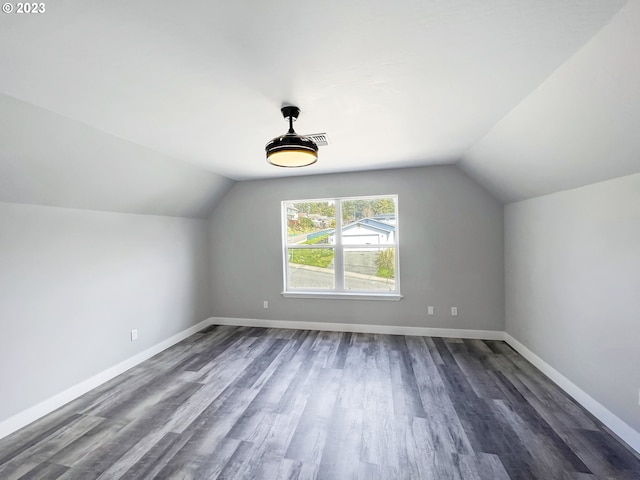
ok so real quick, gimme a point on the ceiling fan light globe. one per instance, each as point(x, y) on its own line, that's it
point(292, 158)
point(291, 151)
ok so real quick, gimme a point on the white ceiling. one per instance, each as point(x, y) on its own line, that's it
point(498, 85)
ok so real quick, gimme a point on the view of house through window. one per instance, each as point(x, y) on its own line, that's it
point(341, 245)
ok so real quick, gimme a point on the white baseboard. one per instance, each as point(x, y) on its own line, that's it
point(614, 423)
point(361, 328)
point(29, 415)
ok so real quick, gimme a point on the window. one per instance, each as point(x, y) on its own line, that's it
point(341, 247)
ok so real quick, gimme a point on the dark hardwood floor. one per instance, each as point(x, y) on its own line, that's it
point(245, 403)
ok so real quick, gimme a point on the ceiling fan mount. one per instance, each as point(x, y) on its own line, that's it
point(290, 112)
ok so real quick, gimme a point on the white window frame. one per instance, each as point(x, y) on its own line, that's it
point(339, 292)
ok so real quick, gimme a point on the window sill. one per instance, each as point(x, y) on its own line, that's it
point(394, 297)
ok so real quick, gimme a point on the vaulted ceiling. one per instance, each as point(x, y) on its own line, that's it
point(152, 106)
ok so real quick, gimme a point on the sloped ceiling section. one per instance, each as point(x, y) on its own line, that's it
point(103, 101)
point(48, 159)
point(581, 126)
point(393, 83)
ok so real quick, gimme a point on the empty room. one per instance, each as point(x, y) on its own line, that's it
point(336, 240)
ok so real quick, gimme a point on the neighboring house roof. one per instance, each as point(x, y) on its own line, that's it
point(372, 223)
point(385, 217)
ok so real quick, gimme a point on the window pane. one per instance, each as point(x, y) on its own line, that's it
point(311, 268)
point(369, 269)
point(369, 221)
point(310, 223)
point(384, 208)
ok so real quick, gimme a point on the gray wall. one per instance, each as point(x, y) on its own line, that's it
point(451, 250)
point(74, 283)
point(573, 287)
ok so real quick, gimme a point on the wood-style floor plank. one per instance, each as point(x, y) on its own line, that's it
point(252, 403)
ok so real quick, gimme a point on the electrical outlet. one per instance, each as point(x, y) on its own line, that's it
point(454, 311)
point(265, 304)
point(134, 334)
point(430, 310)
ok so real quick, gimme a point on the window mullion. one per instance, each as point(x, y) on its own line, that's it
point(338, 264)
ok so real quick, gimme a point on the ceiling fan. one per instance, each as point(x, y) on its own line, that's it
point(292, 150)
